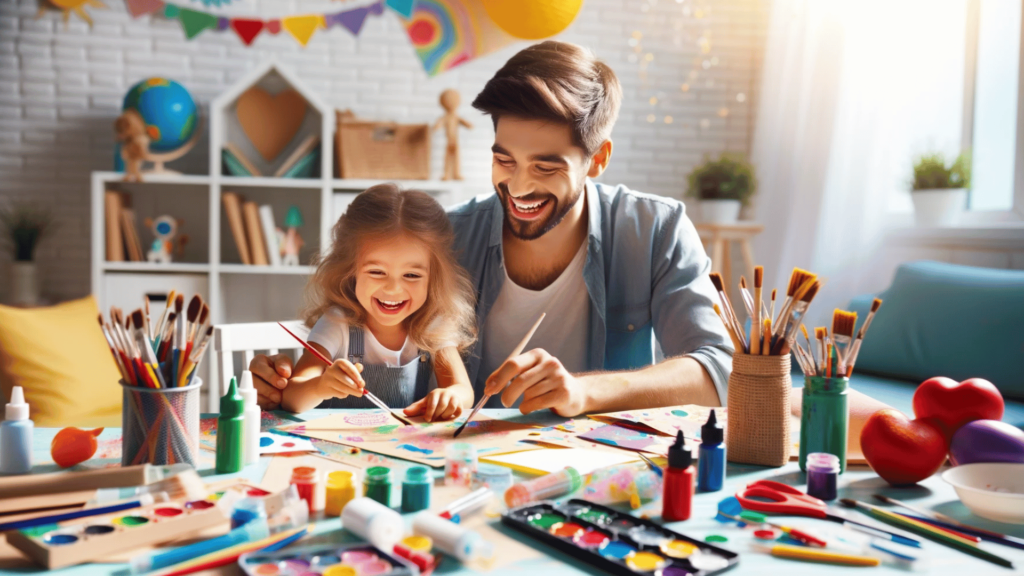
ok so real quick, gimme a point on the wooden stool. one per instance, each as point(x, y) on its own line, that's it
point(719, 236)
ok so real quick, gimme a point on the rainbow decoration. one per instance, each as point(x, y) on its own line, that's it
point(446, 33)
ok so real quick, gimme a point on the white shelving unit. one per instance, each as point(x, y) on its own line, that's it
point(211, 266)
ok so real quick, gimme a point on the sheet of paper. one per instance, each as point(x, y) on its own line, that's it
point(629, 439)
point(277, 443)
point(546, 461)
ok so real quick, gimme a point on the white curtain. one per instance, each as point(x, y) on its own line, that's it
point(851, 92)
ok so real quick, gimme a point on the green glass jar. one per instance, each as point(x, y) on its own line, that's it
point(377, 484)
point(824, 418)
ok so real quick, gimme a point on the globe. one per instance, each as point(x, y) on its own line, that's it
point(168, 111)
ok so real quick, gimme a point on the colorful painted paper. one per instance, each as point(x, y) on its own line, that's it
point(547, 461)
point(423, 442)
point(271, 443)
point(208, 427)
point(629, 439)
point(665, 421)
point(446, 33)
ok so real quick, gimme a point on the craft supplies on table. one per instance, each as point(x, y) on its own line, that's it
point(679, 483)
point(231, 554)
point(416, 488)
point(554, 485)
point(349, 560)
point(304, 478)
point(460, 464)
point(373, 521)
point(823, 471)
point(249, 532)
point(615, 542)
point(545, 461)
point(377, 483)
point(16, 435)
point(711, 463)
point(340, 489)
point(160, 425)
point(416, 549)
point(230, 439)
point(815, 555)
point(497, 478)
point(467, 504)
point(627, 483)
point(453, 539)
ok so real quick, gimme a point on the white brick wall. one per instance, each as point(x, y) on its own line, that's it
point(61, 88)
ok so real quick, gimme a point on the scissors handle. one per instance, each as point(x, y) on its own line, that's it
point(783, 499)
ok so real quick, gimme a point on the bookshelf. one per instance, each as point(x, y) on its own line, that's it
point(211, 265)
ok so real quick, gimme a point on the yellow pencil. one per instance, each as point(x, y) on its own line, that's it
point(818, 555)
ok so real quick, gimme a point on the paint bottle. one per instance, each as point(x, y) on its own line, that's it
point(416, 489)
point(497, 478)
point(247, 510)
point(824, 418)
point(377, 484)
point(229, 431)
point(250, 420)
point(340, 491)
point(679, 482)
point(452, 539)
point(822, 475)
point(459, 464)
point(711, 469)
point(16, 436)
point(565, 481)
point(374, 522)
point(304, 480)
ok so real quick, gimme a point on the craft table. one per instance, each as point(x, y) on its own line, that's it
point(858, 483)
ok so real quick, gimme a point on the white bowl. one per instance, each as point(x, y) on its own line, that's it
point(990, 490)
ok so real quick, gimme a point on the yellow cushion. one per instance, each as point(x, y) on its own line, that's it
point(61, 359)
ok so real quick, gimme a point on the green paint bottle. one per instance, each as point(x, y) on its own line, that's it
point(230, 456)
point(824, 418)
point(377, 484)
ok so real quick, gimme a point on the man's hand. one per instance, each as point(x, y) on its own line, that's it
point(270, 375)
point(439, 404)
point(541, 380)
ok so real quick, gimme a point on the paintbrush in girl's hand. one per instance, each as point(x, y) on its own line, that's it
point(366, 393)
point(518, 350)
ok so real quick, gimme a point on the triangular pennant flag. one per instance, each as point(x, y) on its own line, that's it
point(142, 7)
point(301, 27)
point(403, 7)
point(377, 8)
point(247, 29)
point(353, 19)
point(194, 22)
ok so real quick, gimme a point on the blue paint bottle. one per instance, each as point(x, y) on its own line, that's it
point(711, 469)
point(16, 436)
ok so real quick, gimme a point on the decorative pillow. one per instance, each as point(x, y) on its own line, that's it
point(61, 359)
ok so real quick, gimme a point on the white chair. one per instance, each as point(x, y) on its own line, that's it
point(248, 338)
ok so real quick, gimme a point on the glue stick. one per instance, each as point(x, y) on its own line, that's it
point(250, 420)
point(374, 522)
point(451, 538)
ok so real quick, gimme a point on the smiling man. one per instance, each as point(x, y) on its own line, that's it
point(615, 270)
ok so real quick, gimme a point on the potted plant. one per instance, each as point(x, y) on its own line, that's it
point(24, 225)
point(722, 187)
point(939, 191)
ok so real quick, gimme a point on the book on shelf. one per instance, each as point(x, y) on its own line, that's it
point(233, 211)
point(270, 234)
point(300, 158)
point(254, 231)
point(131, 236)
point(112, 203)
point(236, 163)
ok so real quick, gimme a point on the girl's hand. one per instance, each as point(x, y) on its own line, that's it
point(341, 380)
point(439, 404)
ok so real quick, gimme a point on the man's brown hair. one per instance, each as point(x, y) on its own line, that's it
point(560, 82)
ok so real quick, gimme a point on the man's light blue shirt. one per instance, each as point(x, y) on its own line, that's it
point(646, 275)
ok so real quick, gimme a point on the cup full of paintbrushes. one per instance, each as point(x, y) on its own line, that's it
point(160, 425)
point(760, 384)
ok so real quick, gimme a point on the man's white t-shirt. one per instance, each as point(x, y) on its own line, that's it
point(563, 333)
point(331, 332)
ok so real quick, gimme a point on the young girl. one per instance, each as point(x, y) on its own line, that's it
point(392, 308)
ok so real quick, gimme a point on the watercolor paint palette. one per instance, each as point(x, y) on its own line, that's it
point(617, 542)
point(349, 560)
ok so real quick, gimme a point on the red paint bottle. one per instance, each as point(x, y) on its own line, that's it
point(680, 478)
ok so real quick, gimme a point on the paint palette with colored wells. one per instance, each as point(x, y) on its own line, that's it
point(98, 537)
point(618, 542)
point(349, 560)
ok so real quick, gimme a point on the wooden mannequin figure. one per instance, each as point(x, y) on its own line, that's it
point(450, 101)
point(165, 228)
point(131, 133)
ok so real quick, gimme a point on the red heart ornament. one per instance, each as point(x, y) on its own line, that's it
point(956, 403)
point(900, 450)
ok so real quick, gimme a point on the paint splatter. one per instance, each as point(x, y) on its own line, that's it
point(265, 441)
point(388, 429)
point(680, 413)
point(412, 448)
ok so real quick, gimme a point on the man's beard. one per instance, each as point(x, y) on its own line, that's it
point(534, 229)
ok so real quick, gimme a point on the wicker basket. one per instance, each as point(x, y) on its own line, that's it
point(759, 408)
point(383, 150)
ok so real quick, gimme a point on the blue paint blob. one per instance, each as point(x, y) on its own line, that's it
point(680, 413)
point(730, 506)
point(412, 448)
point(60, 539)
point(264, 441)
point(617, 550)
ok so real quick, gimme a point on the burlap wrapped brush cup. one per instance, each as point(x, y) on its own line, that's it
point(759, 422)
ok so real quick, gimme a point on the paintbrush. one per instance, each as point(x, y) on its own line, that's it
point(820, 334)
point(931, 532)
point(795, 534)
point(766, 337)
point(195, 358)
point(771, 312)
point(650, 464)
point(727, 310)
point(843, 325)
point(797, 280)
point(144, 344)
point(163, 317)
point(748, 300)
point(145, 306)
point(728, 328)
point(852, 359)
point(73, 481)
point(113, 350)
point(366, 393)
point(755, 320)
point(516, 352)
point(943, 521)
point(805, 296)
point(144, 500)
point(810, 348)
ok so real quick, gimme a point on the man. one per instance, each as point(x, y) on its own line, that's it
point(613, 269)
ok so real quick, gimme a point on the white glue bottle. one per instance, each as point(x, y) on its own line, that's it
point(374, 522)
point(250, 420)
point(16, 436)
point(451, 538)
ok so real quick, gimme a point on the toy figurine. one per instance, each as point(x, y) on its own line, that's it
point(292, 242)
point(131, 133)
point(164, 228)
point(450, 102)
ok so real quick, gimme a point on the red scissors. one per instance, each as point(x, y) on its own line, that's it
point(789, 501)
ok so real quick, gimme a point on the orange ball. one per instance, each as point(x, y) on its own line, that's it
point(73, 445)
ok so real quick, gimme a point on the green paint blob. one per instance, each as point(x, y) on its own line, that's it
point(131, 520)
point(595, 516)
point(715, 538)
point(386, 429)
point(680, 413)
point(37, 531)
point(547, 520)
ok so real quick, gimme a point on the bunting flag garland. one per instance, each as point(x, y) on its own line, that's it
point(446, 33)
point(247, 28)
point(301, 27)
point(193, 22)
point(404, 8)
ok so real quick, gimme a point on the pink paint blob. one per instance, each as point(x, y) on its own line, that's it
point(168, 512)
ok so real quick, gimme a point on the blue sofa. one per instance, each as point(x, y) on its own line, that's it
point(942, 319)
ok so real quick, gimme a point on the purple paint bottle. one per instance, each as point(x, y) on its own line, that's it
point(822, 475)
